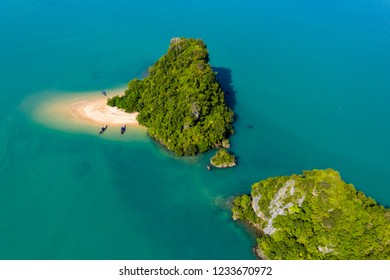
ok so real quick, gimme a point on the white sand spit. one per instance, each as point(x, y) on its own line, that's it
point(98, 112)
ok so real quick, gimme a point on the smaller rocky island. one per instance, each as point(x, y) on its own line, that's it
point(223, 159)
point(315, 215)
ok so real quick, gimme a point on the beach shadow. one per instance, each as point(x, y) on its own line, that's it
point(224, 77)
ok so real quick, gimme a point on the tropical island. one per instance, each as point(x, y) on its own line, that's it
point(315, 215)
point(180, 101)
point(223, 159)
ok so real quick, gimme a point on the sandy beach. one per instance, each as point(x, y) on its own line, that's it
point(96, 111)
point(83, 112)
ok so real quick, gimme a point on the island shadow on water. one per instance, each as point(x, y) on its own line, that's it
point(224, 78)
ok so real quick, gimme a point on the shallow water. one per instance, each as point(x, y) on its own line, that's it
point(308, 82)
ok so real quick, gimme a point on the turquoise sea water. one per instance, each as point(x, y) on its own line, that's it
point(309, 82)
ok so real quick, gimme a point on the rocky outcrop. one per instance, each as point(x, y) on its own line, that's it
point(224, 165)
point(175, 40)
point(223, 159)
point(315, 215)
point(226, 143)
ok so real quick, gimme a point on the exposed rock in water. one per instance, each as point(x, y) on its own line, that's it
point(226, 143)
point(223, 159)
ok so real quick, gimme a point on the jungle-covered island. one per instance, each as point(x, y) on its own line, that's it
point(180, 101)
point(223, 159)
point(315, 215)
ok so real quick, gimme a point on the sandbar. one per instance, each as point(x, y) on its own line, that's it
point(96, 111)
point(76, 112)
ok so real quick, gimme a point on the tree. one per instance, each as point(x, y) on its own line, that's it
point(180, 102)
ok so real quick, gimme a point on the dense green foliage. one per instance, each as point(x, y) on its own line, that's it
point(180, 102)
point(223, 158)
point(315, 216)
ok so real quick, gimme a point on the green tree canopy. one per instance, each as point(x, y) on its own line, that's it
point(180, 102)
point(223, 159)
point(315, 215)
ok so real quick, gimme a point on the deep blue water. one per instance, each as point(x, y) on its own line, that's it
point(309, 82)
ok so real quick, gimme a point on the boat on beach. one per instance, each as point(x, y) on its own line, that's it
point(103, 129)
point(123, 129)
